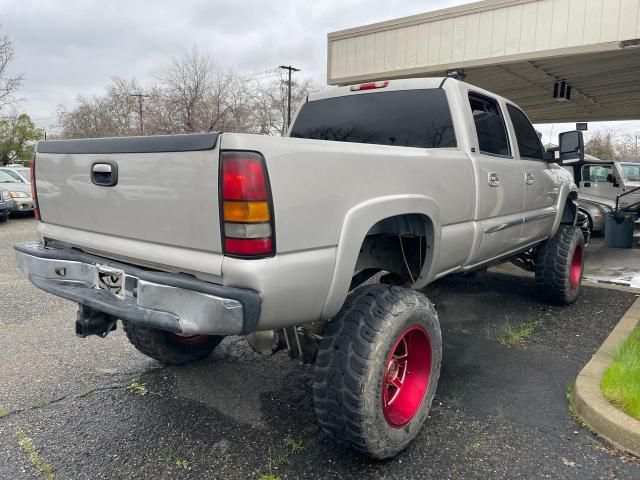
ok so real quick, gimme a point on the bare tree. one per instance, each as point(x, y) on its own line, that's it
point(629, 147)
point(601, 145)
point(612, 144)
point(113, 114)
point(269, 103)
point(8, 83)
point(193, 94)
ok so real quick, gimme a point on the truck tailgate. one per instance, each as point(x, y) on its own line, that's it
point(166, 193)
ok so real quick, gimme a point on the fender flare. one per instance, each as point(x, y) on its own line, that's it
point(566, 189)
point(357, 222)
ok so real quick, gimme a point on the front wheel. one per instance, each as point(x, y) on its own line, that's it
point(170, 348)
point(377, 369)
point(559, 266)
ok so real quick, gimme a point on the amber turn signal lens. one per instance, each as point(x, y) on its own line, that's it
point(246, 212)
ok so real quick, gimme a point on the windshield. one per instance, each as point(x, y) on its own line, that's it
point(6, 178)
point(14, 175)
point(631, 171)
point(408, 118)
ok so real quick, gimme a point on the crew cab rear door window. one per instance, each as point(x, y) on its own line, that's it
point(408, 118)
point(528, 141)
point(490, 127)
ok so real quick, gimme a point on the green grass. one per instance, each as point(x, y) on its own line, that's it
point(138, 388)
point(296, 447)
point(28, 447)
point(512, 335)
point(621, 381)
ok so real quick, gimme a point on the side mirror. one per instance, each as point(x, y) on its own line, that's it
point(610, 178)
point(571, 147)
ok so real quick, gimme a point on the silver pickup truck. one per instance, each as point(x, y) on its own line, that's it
point(189, 238)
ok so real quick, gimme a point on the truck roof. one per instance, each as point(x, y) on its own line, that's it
point(395, 85)
point(402, 84)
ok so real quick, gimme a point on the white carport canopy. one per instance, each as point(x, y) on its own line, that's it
point(516, 48)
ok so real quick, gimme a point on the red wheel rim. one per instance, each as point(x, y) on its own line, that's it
point(187, 339)
point(575, 272)
point(406, 376)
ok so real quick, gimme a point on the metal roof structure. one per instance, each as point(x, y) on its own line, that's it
point(519, 49)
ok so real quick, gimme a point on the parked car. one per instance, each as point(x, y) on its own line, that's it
point(603, 182)
point(233, 234)
point(6, 205)
point(600, 182)
point(594, 210)
point(19, 190)
point(596, 213)
point(19, 172)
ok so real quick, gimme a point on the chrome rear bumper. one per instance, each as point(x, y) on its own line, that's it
point(169, 301)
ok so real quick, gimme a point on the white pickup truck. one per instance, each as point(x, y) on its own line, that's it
point(189, 238)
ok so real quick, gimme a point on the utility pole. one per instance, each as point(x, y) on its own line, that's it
point(140, 97)
point(290, 69)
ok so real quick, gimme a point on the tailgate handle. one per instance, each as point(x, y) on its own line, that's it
point(104, 174)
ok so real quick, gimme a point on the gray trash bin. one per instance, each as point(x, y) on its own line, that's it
point(618, 230)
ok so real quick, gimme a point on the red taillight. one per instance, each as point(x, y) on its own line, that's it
point(32, 178)
point(246, 208)
point(369, 86)
point(249, 246)
point(243, 177)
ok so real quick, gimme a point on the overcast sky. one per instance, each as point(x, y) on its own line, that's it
point(67, 48)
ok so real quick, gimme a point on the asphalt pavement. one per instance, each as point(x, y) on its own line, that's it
point(500, 410)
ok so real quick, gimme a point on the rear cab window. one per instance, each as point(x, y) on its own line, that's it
point(407, 118)
point(490, 127)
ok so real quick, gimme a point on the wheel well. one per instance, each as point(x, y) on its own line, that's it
point(401, 244)
point(586, 212)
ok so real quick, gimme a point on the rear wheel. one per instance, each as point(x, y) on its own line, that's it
point(377, 369)
point(170, 348)
point(559, 266)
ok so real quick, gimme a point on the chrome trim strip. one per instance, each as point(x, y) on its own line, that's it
point(538, 216)
point(502, 226)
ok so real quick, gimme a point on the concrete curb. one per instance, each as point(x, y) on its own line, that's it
point(506, 269)
point(590, 405)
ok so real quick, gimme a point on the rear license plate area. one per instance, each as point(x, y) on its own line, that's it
point(110, 279)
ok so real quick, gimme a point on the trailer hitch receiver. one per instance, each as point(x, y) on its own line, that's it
point(92, 322)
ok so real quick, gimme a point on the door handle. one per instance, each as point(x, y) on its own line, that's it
point(528, 178)
point(494, 179)
point(104, 174)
